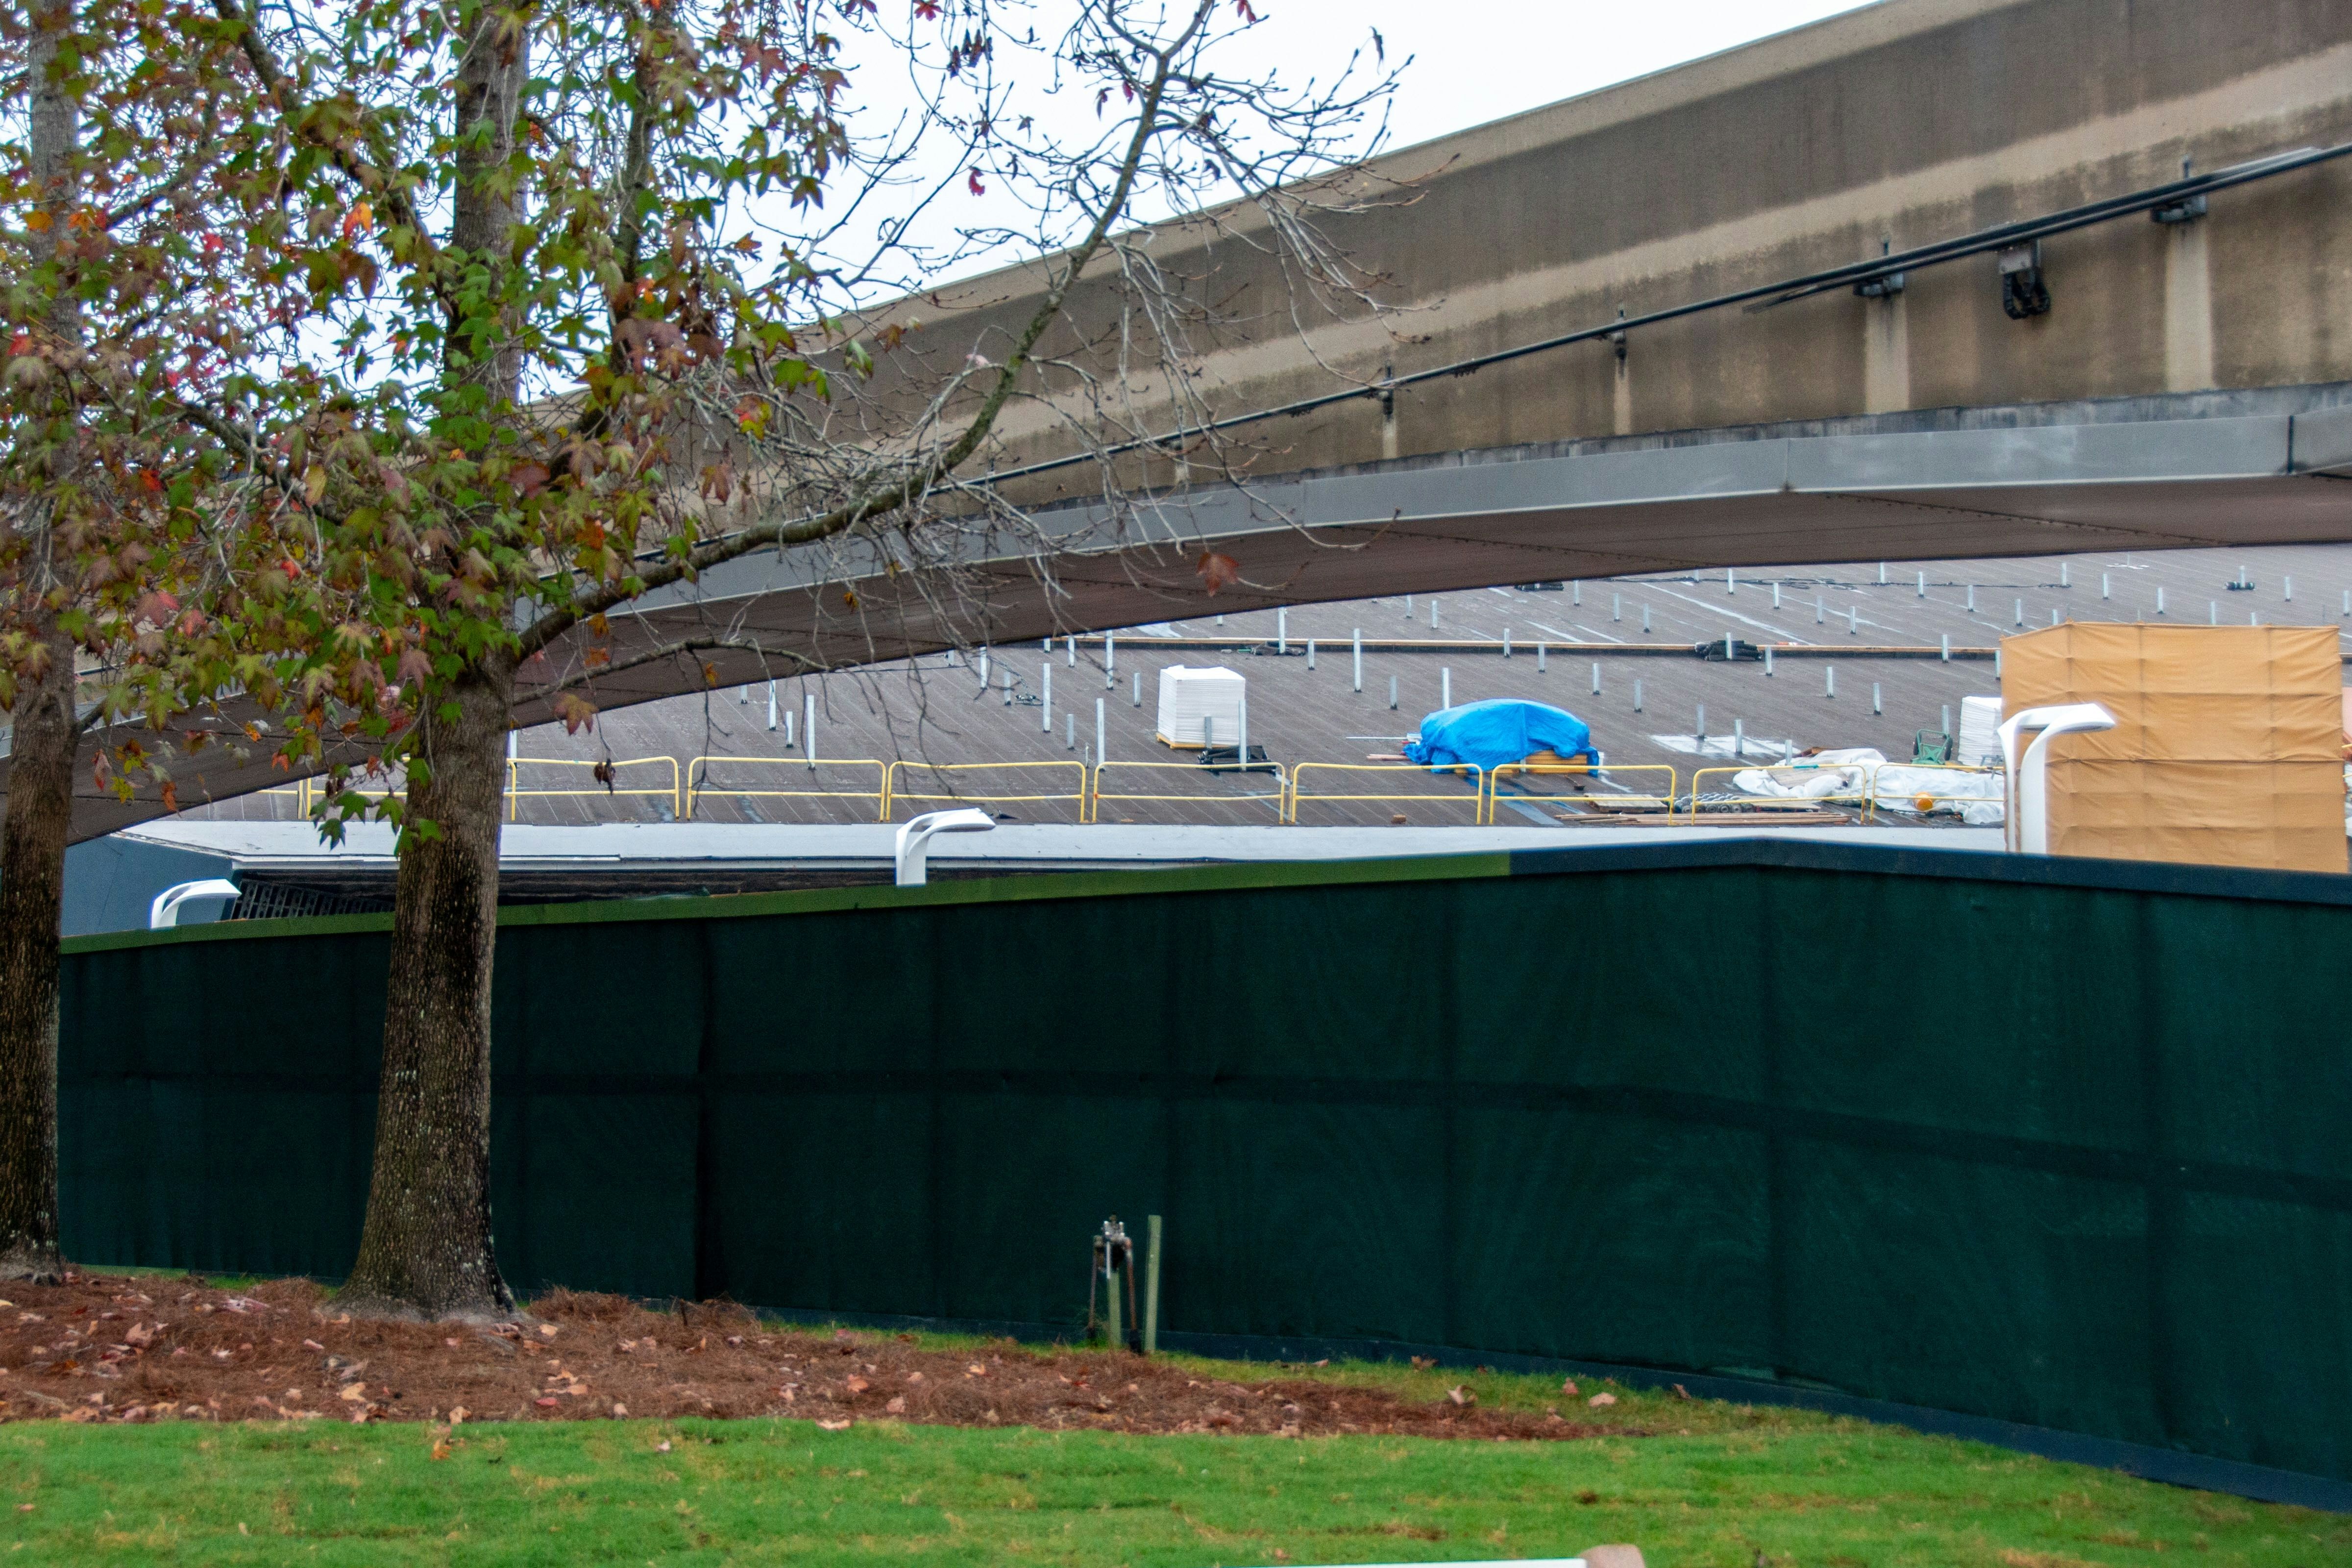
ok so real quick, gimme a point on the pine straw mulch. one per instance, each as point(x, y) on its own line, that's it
point(159, 1348)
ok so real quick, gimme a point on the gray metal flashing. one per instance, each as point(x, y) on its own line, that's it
point(1963, 464)
point(292, 847)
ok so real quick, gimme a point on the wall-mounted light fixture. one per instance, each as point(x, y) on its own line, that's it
point(2024, 293)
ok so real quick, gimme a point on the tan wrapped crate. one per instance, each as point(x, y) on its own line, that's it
point(2227, 748)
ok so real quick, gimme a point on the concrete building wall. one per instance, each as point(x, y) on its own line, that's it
point(1905, 124)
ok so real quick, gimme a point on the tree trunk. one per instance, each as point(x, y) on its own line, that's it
point(39, 815)
point(425, 1245)
point(32, 897)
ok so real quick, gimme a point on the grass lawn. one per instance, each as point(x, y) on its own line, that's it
point(1717, 1485)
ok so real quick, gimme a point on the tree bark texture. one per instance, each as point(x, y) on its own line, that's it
point(32, 899)
point(425, 1245)
point(42, 740)
point(483, 209)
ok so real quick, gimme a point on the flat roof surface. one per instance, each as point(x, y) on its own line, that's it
point(1830, 622)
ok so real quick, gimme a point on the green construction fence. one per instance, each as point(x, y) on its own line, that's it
point(2063, 1143)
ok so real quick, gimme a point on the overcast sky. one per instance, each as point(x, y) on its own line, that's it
point(1464, 63)
point(1477, 60)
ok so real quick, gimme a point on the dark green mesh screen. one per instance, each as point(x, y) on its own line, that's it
point(1991, 1140)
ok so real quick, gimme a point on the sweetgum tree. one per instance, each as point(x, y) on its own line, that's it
point(589, 313)
point(137, 277)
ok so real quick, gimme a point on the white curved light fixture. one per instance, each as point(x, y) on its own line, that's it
point(914, 841)
point(2027, 821)
point(165, 911)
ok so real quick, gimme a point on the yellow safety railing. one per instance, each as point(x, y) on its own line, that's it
point(300, 789)
point(1281, 788)
point(699, 770)
point(1856, 797)
point(1478, 776)
point(308, 792)
point(517, 795)
point(893, 792)
point(1664, 803)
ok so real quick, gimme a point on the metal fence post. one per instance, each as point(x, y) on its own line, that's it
point(1152, 1285)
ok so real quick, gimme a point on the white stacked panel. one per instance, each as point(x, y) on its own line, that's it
point(1189, 696)
point(1979, 739)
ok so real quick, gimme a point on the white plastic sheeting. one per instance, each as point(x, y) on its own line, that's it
point(1863, 773)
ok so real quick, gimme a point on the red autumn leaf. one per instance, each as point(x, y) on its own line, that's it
point(973, 181)
point(1217, 571)
point(926, 10)
point(545, 1404)
point(530, 477)
point(577, 711)
point(170, 796)
point(1242, 9)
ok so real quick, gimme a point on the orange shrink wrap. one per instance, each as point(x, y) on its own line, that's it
point(2227, 750)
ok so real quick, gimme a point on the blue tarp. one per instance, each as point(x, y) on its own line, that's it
point(1497, 731)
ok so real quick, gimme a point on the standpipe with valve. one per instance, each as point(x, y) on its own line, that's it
point(1114, 1259)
